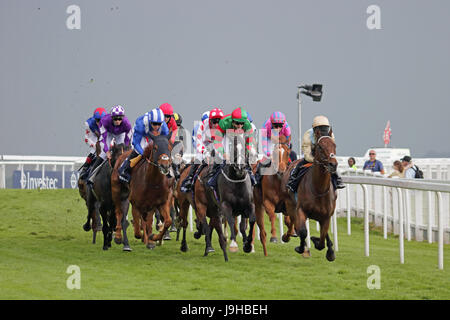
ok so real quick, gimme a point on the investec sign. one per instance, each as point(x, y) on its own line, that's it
point(32, 179)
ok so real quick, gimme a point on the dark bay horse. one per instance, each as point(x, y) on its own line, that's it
point(267, 195)
point(99, 197)
point(235, 197)
point(316, 197)
point(199, 202)
point(83, 191)
point(150, 189)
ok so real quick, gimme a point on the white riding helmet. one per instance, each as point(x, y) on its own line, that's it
point(320, 121)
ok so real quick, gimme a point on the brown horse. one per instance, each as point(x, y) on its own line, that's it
point(316, 197)
point(268, 195)
point(149, 189)
point(199, 203)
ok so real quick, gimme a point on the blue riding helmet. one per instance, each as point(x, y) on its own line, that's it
point(157, 115)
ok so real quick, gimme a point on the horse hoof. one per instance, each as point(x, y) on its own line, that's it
point(118, 240)
point(167, 236)
point(127, 249)
point(197, 235)
point(233, 246)
point(138, 236)
point(184, 247)
point(86, 227)
point(330, 255)
point(247, 248)
point(151, 245)
point(306, 254)
point(285, 238)
point(273, 240)
point(299, 249)
point(294, 235)
point(105, 248)
point(209, 250)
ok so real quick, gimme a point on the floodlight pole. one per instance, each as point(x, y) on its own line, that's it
point(315, 92)
point(299, 99)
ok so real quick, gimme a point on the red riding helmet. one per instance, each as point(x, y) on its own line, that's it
point(167, 109)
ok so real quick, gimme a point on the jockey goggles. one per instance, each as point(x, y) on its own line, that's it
point(117, 118)
point(237, 123)
point(215, 121)
point(277, 125)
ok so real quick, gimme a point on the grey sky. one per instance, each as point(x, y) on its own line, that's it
point(200, 53)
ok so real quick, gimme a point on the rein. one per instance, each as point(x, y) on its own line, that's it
point(232, 180)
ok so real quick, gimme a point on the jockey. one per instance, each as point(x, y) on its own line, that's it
point(320, 125)
point(167, 109)
point(204, 139)
point(236, 121)
point(151, 122)
point(181, 134)
point(114, 125)
point(205, 115)
point(91, 136)
point(275, 126)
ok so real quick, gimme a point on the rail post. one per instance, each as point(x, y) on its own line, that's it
point(366, 220)
point(400, 222)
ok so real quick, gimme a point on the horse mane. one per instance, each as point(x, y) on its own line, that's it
point(148, 149)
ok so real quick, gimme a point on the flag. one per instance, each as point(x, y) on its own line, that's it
point(387, 134)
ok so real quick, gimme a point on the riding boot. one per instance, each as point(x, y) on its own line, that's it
point(187, 183)
point(337, 181)
point(124, 169)
point(84, 169)
point(97, 162)
point(292, 183)
point(252, 177)
point(212, 175)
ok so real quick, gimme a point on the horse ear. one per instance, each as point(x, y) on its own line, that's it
point(330, 133)
point(316, 135)
point(151, 135)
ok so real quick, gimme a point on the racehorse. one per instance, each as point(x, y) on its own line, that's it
point(235, 197)
point(316, 196)
point(198, 200)
point(83, 190)
point(149, 189)
point(268, 195)
point(99, 197)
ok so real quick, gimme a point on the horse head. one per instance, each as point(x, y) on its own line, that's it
point(325, 153)
point(116, 151)
point(158, 153)
point(281, 153)
point(239, 157)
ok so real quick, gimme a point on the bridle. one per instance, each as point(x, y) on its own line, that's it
point(323, 163)
point(149, 160)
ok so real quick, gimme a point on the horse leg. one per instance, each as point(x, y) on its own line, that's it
point(105, 227)
point(302, 232)
point(183, 224)
point(164, 210)
point(270, 209)
point(217, 223)
point(319, 244)
point(125, 224)
point(148, 235)
point(137, 225)
point(330, 252)
point(248, 247)
point(259, 214)
point(230, 219)
point(119, 215)
point(87, 225)
point(287, 236)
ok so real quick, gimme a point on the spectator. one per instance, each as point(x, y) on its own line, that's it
point(398, 170)
point(352, 163)
point(373, 164)
point(408, 167)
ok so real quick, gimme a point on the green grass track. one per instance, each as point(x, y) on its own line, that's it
point(41, 235)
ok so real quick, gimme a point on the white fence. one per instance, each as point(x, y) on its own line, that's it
point(409, 208)
point(44, 164)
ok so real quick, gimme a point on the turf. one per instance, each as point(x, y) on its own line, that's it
point(41, 235)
